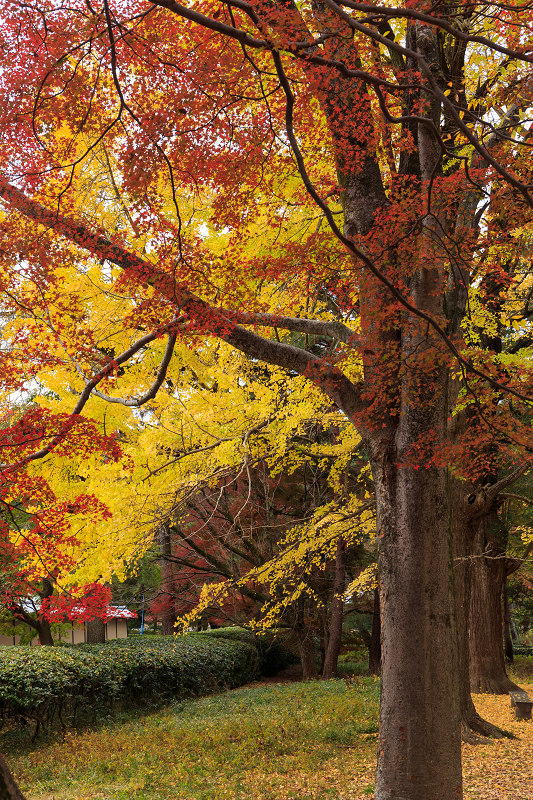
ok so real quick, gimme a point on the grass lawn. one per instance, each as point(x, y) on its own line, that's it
point(268, 741)
point(261, 742)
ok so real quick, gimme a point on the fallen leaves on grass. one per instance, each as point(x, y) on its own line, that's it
point(268, 743)
point(502, 770)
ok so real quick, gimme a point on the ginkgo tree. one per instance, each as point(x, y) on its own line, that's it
point(354, 151)
point(162, 479)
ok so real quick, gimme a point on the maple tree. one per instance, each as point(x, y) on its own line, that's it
point(37, 546)
point(362, 156)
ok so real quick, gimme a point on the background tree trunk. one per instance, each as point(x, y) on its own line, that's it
point(474, 728)
point(337, 613)
point(489, 569)
point(305, 640)
point(507, 635)
point(95, 631)
point(374, 649)
point(168, 615)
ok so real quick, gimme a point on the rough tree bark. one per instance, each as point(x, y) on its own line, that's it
point(489, 570)
point(419, 644)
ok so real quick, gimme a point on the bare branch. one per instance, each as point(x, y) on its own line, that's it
point(136, 402)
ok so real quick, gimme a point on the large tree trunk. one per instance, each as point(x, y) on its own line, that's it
point(489, 569)
point(329, 669)
point(8, 788)
point(420, 695)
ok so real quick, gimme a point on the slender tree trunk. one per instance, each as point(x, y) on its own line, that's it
point(306, 648)
point(305, 640)
point(489, 566)
point(507, 635)
point(374, 649)
point(95, 631)
point(337, 613)
point(168, 615)
point(8, 788)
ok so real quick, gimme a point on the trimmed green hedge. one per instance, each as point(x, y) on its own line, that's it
point(273, 646)
point(45, 683)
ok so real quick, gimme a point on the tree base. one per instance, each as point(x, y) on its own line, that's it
point(476, 730)
point(8, 788)
point(500, 685)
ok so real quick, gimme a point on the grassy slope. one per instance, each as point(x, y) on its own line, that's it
point(272, 741)
point(312, 741)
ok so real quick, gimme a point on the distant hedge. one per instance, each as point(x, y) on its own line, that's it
point(43, 684)
point(275, 652)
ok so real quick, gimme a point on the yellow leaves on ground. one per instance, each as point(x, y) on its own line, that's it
point(502, 770)
point(164, 756)
point(264, 742)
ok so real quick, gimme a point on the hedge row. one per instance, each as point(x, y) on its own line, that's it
point(274, 647)
point(46, 683)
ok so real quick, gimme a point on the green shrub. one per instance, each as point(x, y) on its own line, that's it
point(40, 683)
point(273, 646)
point(45, 683)
point(522, 668)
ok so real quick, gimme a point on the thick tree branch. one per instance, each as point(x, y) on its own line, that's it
point(215, 321)
point(481, 502)
point(314, 327)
